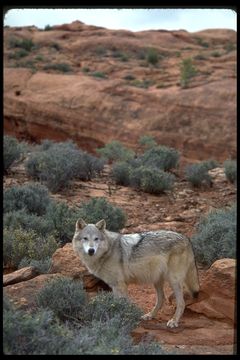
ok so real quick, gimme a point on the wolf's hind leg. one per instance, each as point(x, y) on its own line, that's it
point(159, 302)
point(178, 292)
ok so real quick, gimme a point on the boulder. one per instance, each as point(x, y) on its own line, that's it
point(17, 276)
point(218, 291)
point(66, 262)
point(23, 294)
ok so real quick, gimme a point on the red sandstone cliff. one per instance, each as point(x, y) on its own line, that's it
point(40, 102)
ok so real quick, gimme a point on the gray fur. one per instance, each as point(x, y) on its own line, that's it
point(147, 257)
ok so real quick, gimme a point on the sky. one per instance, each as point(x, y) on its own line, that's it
point(128, 19)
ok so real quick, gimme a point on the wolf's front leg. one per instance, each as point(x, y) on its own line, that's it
point(159, 301)
point(120, 290)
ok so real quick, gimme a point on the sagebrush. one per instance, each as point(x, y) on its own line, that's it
point(197, 174)
point(99, 208)
point(151, 180)
point(230, 169)
point(32, 197)
point(56, 164)
point(216, 236)
point(148, 172)
point(43, 266)
point(162, 157)
point(42, 333)
point(115, 151)
point(12, 151)
point(19, 244)
point(65, 297)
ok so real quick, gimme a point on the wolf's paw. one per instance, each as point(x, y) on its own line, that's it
point(172, 323)
point(147, 316)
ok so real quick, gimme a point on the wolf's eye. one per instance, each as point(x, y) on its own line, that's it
point(85, 238)
point(96, 239)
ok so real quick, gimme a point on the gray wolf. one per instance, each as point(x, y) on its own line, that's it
point(149, 257)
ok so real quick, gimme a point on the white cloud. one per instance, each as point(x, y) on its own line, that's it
point(132, 19)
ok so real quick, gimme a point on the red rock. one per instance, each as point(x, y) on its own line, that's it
point(67, 263)
point(200, 121)
point(218, 292)
point(23, 294)
point(17, 276)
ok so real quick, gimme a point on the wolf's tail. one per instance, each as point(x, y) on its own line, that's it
point(192, 280)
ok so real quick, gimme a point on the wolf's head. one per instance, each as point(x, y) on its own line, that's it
point(90, 239)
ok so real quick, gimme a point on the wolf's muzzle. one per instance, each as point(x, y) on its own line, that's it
point(91, 251)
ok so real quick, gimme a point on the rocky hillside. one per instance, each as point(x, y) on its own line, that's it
point(93, 85)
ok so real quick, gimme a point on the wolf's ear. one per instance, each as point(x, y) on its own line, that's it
point(80, 224)
point(101, 225)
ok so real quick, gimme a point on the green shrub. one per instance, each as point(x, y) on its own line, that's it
point(147, 347)
point(58, 221)
point(151, 180)
point(34, 198)
point(147, 141)
point(121, 172)
point(48, 27)
point(101, 326)
point(216, 54)
point(106, 338)
point(32, 165)
point(230, 169)
point(88, 166)
point(115, 151)
point(19, 244)
point(111, 338)
point(99, 74)
point(146, 171)
point(59, 163)
point(229, 47)
point(201, 42)
point(12, 151)
point(36, 334)
point(187, 71)
point(42, 266)
point(145, 83)
point(65, 297)
point(161, 157)
point(40, 333)
point(39, 57)
point(105, 306)
point(85, 69)
point(62, 67)
point(56, 46)
point(100, 50)
point(124, 57)
point(62, 220)
point(99, 208)
point(152, 56)
point(129, 77)
point(200, 57)
point(210, 164)
point(42, 225)
point(46, 144)
point(197, 175)
point(18, 54)
point(26, 44)
point(216, 236)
